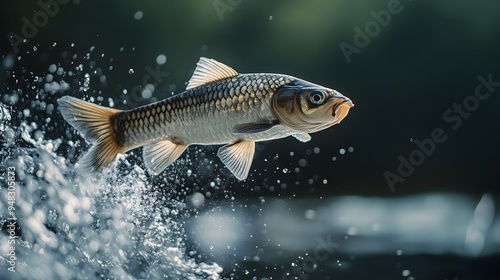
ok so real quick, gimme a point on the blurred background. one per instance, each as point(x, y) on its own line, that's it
point(404, 188)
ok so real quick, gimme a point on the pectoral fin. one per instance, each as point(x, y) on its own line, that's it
point(249, 128)
point(302, 137)
point(238, 157)
point(158, 155)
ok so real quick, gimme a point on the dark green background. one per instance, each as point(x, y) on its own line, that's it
point(426, 59)
point(416, 68)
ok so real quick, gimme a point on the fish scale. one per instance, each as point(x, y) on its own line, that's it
point(219, 106)
point(236, 96)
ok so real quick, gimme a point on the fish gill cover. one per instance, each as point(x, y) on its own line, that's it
point(62, 223)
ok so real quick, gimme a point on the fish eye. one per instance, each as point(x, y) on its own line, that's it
point(317, 97)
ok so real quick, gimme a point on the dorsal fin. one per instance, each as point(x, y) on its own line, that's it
point(209, 70)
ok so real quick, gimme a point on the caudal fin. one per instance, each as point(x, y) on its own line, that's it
point(94, 123)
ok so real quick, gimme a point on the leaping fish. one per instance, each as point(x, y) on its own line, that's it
point(219, 107)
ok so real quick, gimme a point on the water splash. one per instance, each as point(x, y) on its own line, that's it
point(69, 224)
point(112, 226)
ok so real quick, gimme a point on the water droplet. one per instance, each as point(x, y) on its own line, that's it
point(197, 199)
point(352, 231)
point(161, 59)
point(146, 94)
point(138, 15)
point(310, 214)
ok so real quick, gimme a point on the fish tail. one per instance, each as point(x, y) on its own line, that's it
point(94, 122)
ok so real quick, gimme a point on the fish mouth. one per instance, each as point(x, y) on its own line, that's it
point(340, 109)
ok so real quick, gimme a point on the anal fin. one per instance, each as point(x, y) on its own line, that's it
point(238, 157)
point(160, 154)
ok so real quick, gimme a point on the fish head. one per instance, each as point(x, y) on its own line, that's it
point(307, 107)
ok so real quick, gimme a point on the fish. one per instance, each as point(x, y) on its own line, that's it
point(219, 107)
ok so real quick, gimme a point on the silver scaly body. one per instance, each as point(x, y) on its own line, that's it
point(219, 106)
point(206, 114)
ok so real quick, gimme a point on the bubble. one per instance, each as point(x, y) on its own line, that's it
point(405, 272)
point(399, 252)
point(310, 214)
point(325, 181)
point(334, 158)
point(138, 15)
point(350, 149)
point(52, 68)
point(316, 150)
point(150, 87)
point(8, 61)
point(352, 231)
point(161, 59)
point(197, 199)
point(342, 151)
point(302, 162)
point(131, 71)
point(172, 87)
point(146, 94)
point(270, 17)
